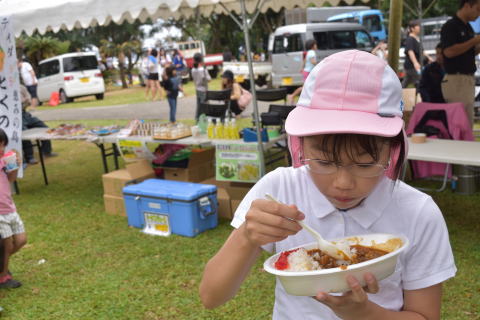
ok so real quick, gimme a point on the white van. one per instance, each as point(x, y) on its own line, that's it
point(289, 47)
point(72, 75)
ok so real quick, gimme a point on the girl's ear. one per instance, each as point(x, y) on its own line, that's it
point(295, 146)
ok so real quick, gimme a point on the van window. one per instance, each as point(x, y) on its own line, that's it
point(79, 63)
point(322, 40)
point(342, 39)
point(288, 43)
point(363, 39)
point(48, 68)
point(372, 23)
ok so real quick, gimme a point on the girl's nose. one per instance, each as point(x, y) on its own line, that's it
point(344, 179)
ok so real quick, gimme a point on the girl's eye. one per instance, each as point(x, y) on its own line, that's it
point(364, 165)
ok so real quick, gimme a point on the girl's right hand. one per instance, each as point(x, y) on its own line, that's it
point(268, 222)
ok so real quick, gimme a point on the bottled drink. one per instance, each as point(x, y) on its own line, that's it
point(210, 129)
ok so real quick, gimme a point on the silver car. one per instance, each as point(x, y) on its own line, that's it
point(331, 37)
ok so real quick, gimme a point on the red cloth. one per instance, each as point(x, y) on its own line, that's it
point(458, 126)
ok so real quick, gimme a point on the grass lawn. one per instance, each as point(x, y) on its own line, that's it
point(118, 96)
point(98, 268)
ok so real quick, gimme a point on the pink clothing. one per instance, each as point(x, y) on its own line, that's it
point(459, 128)
point(6, 202)
point(305, 75)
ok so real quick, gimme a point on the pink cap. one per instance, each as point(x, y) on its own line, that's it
point(349, 92)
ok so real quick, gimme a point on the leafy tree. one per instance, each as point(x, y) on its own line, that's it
point(37, 47)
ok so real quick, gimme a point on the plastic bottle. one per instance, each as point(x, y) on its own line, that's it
point(219, 130)
point(234, 128)
point(202, 123)
point(210, 129)
point(227, 131)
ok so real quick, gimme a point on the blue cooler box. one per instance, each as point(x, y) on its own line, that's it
point(167, 206)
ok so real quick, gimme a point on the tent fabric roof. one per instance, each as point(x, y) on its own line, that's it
point(53, 15)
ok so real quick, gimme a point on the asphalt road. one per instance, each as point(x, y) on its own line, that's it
point(146, 110)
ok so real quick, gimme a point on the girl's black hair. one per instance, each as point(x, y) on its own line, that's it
point(354, 144)
point(154, 52)
point(3, 137)
point(169, 71)
point(197, 59)
point(310, 43)
point(464, 2)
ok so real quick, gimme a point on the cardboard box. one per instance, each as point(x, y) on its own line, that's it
point(114, 205)
point(201, 166)
point(113, 182)
point(229, 196)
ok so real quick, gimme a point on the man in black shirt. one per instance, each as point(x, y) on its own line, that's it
point(412, 64)
point(431, 81)
point(460, 48)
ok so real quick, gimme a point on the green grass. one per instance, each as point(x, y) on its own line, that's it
point(119, 96)
point(98, 268)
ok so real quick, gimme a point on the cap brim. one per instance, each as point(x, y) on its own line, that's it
point(307, 122)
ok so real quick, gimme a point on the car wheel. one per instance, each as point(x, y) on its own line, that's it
point(63, 97)
point(99, 96)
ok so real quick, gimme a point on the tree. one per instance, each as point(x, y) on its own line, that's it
point(37, 47)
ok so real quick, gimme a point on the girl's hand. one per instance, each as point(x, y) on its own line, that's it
point(353, 304)
point(19, 158)
point(268, 221)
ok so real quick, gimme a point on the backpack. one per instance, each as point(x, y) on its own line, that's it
point(244, 99)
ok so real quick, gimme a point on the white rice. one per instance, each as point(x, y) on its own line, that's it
point(301, 261)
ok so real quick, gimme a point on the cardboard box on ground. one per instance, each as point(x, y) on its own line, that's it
point(229, 195)
point(113, 183)
point(201, 166)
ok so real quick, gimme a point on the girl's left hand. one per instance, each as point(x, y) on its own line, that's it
point(353, 303)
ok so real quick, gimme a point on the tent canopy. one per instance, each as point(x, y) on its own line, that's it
point(53, 15)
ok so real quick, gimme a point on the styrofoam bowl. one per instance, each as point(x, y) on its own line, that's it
point(309, 283)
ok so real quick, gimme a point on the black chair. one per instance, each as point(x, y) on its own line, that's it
point(272, 94)
point(217, 103)
point(276, 115)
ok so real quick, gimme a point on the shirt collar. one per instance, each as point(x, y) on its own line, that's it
point(369, 211)
point(372, 208)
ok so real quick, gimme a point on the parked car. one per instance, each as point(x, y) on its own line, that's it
point(289, 46)
point(72, 75)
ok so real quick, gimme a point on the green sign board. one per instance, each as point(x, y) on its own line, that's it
point(237, 162)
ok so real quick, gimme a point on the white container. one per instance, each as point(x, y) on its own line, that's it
point(309, 283)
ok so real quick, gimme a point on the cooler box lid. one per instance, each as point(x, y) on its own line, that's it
point(170, 189)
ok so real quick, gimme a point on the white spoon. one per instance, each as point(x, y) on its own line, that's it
point(339, 251)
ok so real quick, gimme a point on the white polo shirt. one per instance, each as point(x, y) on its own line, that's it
point(396, 209)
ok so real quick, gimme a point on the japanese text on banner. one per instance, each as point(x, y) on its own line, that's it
point(10, 101)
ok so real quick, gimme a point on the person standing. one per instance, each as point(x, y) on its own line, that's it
point(173, 85)
point(152, 67)
point(200, 77)
point(29, 80)
point(460, 48)
point(412, 64)
point(430, 85)
point(308, 63)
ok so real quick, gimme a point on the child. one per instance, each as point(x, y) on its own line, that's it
point(173, 85)
point(12, 230)
point(348, 146)
point(200, 77)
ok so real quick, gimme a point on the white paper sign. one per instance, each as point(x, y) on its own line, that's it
point(10, 100)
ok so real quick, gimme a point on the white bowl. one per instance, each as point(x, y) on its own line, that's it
point(309, 283)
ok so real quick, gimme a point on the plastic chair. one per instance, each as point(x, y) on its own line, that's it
point(217, 103)
point(272, 94)
point(438, 120)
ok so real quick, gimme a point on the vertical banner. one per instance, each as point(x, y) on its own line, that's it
point(10, 100)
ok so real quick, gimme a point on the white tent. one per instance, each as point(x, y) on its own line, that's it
point(52, 15)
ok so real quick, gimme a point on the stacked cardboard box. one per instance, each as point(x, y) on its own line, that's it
point(229, 196)
point(201, 166)
point(113, 183)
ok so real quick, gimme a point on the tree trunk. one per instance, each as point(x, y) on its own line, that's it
point(121, 65)
point(129, 69)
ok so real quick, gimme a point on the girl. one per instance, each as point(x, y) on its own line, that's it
point(12, 230)
point(152, 67)
point(308, 63)
point(173, 85)
point(200, 77)
point(228, 82)
point(412, 55)
point(348, 146)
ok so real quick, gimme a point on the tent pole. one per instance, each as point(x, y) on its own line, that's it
point(246, 32)
point(394, 26)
